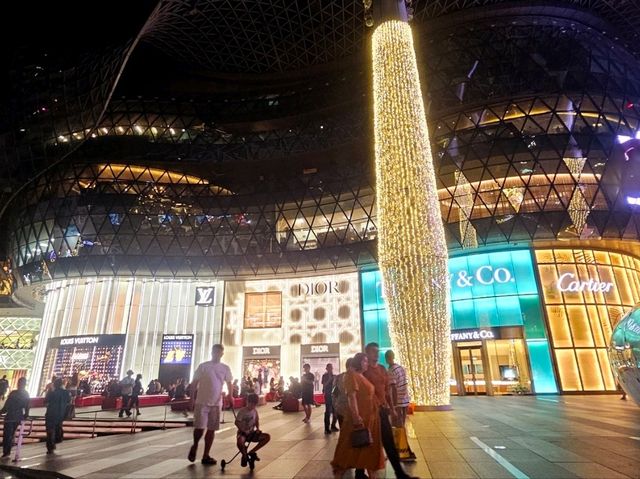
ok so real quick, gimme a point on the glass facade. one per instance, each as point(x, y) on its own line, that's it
point(488, 290)
point(142, 309)
point(586, 292)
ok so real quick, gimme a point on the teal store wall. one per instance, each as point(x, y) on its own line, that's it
point(487, 290)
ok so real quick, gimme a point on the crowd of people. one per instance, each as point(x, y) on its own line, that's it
point(364, 401)
point(58, 402)
point(367, 398)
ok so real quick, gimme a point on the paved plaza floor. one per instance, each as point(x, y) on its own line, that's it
point(483, 437)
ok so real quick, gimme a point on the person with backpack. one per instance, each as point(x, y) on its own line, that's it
point(339, 399)
point(126, 390)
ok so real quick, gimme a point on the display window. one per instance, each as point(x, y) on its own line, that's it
point(97, 357)
point(585, 293)
point(263, 310)
point(318, 356)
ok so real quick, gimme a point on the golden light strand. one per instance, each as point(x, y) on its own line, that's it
point(412, 249)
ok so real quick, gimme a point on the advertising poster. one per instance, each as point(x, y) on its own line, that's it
point(175, 358)
point(97, 357)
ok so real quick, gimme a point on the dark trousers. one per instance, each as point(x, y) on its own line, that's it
point(7, 436)
point(328, 411)
point(126, 404)
point(386, 433)
point(54, 433)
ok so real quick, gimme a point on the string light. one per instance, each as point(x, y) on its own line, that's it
point(412, 249)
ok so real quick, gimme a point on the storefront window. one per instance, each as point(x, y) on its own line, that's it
point(488, 290)
point(586, 292)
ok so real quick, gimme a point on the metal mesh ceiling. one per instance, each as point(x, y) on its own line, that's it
point(256, 36)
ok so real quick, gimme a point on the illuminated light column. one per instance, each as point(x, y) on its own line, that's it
point(412, 250)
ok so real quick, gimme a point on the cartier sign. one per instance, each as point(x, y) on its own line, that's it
point(569, 282)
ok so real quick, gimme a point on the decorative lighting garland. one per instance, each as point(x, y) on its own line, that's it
point(412, 249)
point(465, 198)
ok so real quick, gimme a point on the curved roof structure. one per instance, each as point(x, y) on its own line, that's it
point(261, 36)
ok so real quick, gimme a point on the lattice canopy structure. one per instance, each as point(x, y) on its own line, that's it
point(269, 102)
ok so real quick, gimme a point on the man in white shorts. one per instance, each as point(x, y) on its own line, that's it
point(207, 388)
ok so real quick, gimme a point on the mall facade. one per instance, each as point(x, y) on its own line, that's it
point(206, 206)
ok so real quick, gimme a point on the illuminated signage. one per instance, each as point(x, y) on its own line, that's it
point(568, 282)
point(633, 200)
point(79, 340)
point(475, 334)
point(501, 273)
point(205, 295)
point(483, 275)
point(318, 289)
point(324, 350)
point(261, 351)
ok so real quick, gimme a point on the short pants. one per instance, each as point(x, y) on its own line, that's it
point(206, 417)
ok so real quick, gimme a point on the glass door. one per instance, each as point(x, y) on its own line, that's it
point(473, 376)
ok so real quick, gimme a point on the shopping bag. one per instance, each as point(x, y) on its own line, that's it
point(401, 442)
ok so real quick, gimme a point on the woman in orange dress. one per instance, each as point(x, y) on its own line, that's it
point(362, 412)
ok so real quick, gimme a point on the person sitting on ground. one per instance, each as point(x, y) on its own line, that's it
point(295, 388)
point(272, 385)
point(248, 424)
point(151, 388)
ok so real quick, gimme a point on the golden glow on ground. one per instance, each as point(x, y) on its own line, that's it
point(412, 250)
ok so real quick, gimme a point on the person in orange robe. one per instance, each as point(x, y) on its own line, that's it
point(362, 412)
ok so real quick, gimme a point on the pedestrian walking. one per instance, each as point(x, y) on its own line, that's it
point(327, 389)
point(135, 394)
point(15, 409)
point(207, 385)
point(57, 402)
point(362, 413)
point(399, 392)
point(377, 375)
point(126, 390)
point(4, 387)
point(307, 391)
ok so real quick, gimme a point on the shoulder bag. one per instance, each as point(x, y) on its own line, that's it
point(361, 438)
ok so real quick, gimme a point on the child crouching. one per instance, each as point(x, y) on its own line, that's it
point(248, 424)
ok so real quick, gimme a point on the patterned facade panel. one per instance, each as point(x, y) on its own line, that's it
point(290, 313)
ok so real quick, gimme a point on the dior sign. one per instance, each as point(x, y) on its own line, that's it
point(261, 351)
point(316, 289)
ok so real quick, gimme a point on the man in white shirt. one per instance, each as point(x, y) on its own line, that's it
point(207, 385)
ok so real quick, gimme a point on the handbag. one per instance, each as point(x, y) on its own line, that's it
point(361, 437)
